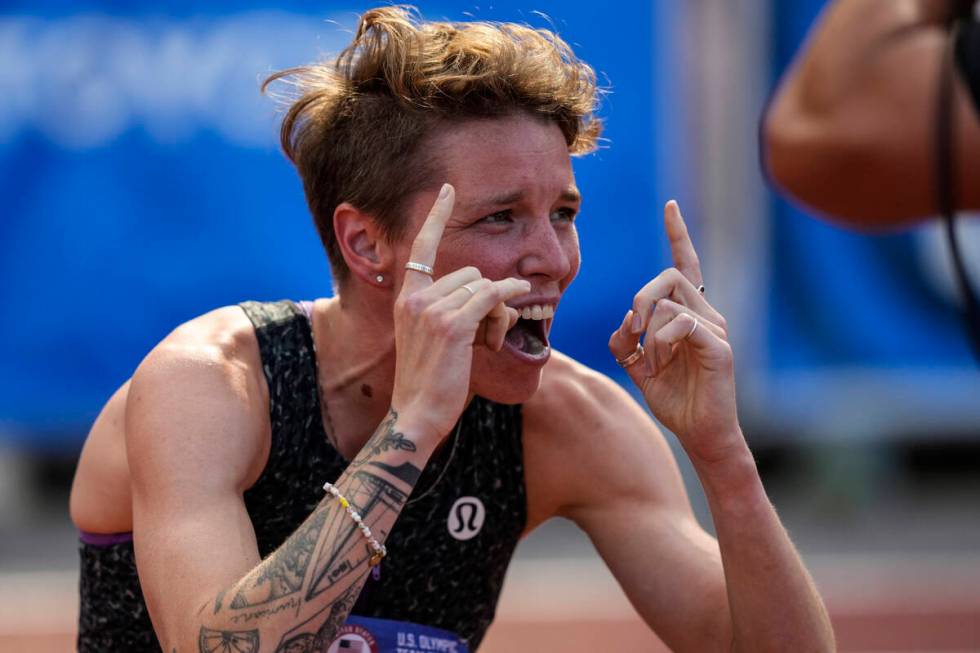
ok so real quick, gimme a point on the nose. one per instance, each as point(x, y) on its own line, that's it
point(545, 252)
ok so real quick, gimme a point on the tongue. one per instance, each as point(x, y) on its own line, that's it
point(516, 337)
point(521, 337)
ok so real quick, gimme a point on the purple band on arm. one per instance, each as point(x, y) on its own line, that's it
point(307, 307)
point(104, 539)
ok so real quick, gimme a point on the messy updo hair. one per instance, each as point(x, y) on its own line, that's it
point(357, 127)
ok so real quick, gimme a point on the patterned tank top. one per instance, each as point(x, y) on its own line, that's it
point(447, 553)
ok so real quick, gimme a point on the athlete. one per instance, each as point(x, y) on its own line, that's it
point(356, 471)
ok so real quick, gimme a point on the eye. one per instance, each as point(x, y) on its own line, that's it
point(500, 217)
point(564, 214)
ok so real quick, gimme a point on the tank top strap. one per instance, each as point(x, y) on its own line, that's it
point(300, 458)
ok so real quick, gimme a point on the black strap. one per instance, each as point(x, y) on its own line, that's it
point(946, 188)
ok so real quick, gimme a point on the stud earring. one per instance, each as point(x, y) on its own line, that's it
point(380, 278)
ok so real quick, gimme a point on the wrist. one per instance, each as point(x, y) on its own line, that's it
point(730, 474)
point(414, 426)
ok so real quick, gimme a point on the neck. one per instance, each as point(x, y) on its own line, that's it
point(356, 363)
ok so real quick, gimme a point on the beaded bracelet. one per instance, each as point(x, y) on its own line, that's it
point(379, 549)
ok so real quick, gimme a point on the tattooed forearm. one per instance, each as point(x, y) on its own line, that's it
point(314, 640)
point(347, 550)
point(405, 472)
point(308, 586)
point(385, 438)
point(228, 641)
point(282, 574)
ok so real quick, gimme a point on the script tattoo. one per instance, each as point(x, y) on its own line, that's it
point(384, 439)
point(228, 641)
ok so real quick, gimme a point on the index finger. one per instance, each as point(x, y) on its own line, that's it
point(681, 247)
point(426, 243)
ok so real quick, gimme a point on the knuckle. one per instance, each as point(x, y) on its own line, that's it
point(723, 324)
point(443, 324)
point(495, 292)
point(413, 304)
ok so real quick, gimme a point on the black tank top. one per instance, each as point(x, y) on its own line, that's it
point(447, 553)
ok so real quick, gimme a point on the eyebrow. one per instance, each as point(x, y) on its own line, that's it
point(569, 194)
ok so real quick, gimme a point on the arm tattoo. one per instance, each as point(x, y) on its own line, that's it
point(326, 555)
point(405, 472)
point(302, 639)
point(347, 550)
point(385, 438)
point(228, 641)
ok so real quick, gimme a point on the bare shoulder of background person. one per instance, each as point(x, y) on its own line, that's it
point(851, 130)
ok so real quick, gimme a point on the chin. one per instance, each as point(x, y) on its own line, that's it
point(497, 377)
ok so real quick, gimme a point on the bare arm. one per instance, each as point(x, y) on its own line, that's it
point(746, 591)
point(201, 574)
point(686, 375)
point(851, 128)
point(194, 430)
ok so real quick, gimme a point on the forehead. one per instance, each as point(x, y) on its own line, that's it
point(512, 152)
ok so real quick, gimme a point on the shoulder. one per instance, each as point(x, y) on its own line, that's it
point(200, 393)
point(587, 439)
point(574, 399)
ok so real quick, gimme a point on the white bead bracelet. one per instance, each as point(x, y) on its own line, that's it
point(379, 549)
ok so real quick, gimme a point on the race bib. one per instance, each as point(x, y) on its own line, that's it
point(367, 635)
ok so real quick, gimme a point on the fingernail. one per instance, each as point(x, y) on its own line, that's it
point(444, 191)
point(627, 320)
point(637, 324)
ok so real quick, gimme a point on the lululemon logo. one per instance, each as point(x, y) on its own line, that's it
point(466, 518)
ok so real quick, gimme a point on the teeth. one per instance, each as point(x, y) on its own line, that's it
point(538, 312)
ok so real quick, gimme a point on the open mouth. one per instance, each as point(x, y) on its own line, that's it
point(529, 336)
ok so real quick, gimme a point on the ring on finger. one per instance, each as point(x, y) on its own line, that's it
point(419, 267)
point(632, 358)
point(467, 288)
point(694, 327)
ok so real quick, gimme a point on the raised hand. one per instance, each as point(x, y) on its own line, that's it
point(437, 323)
point(684, 366)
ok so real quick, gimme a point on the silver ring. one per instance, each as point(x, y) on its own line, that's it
point(632, 358)
point(419, 267)
point(701, 289)
point(693, 329)
point(466, 287)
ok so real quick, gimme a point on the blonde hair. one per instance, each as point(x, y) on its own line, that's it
point(358, 124)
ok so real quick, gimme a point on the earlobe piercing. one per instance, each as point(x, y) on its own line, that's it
point(380, 278)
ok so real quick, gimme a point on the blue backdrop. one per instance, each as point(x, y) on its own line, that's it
point(142, 183)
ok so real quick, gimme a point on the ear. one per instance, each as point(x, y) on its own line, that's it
point(362, 244)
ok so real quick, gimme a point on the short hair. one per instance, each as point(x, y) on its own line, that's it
point(358, 124)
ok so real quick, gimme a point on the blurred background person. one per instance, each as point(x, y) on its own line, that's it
point(877, 122)
point(852, 129)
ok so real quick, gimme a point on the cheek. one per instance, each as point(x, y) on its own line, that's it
point(495, 259)
point(572, 252)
